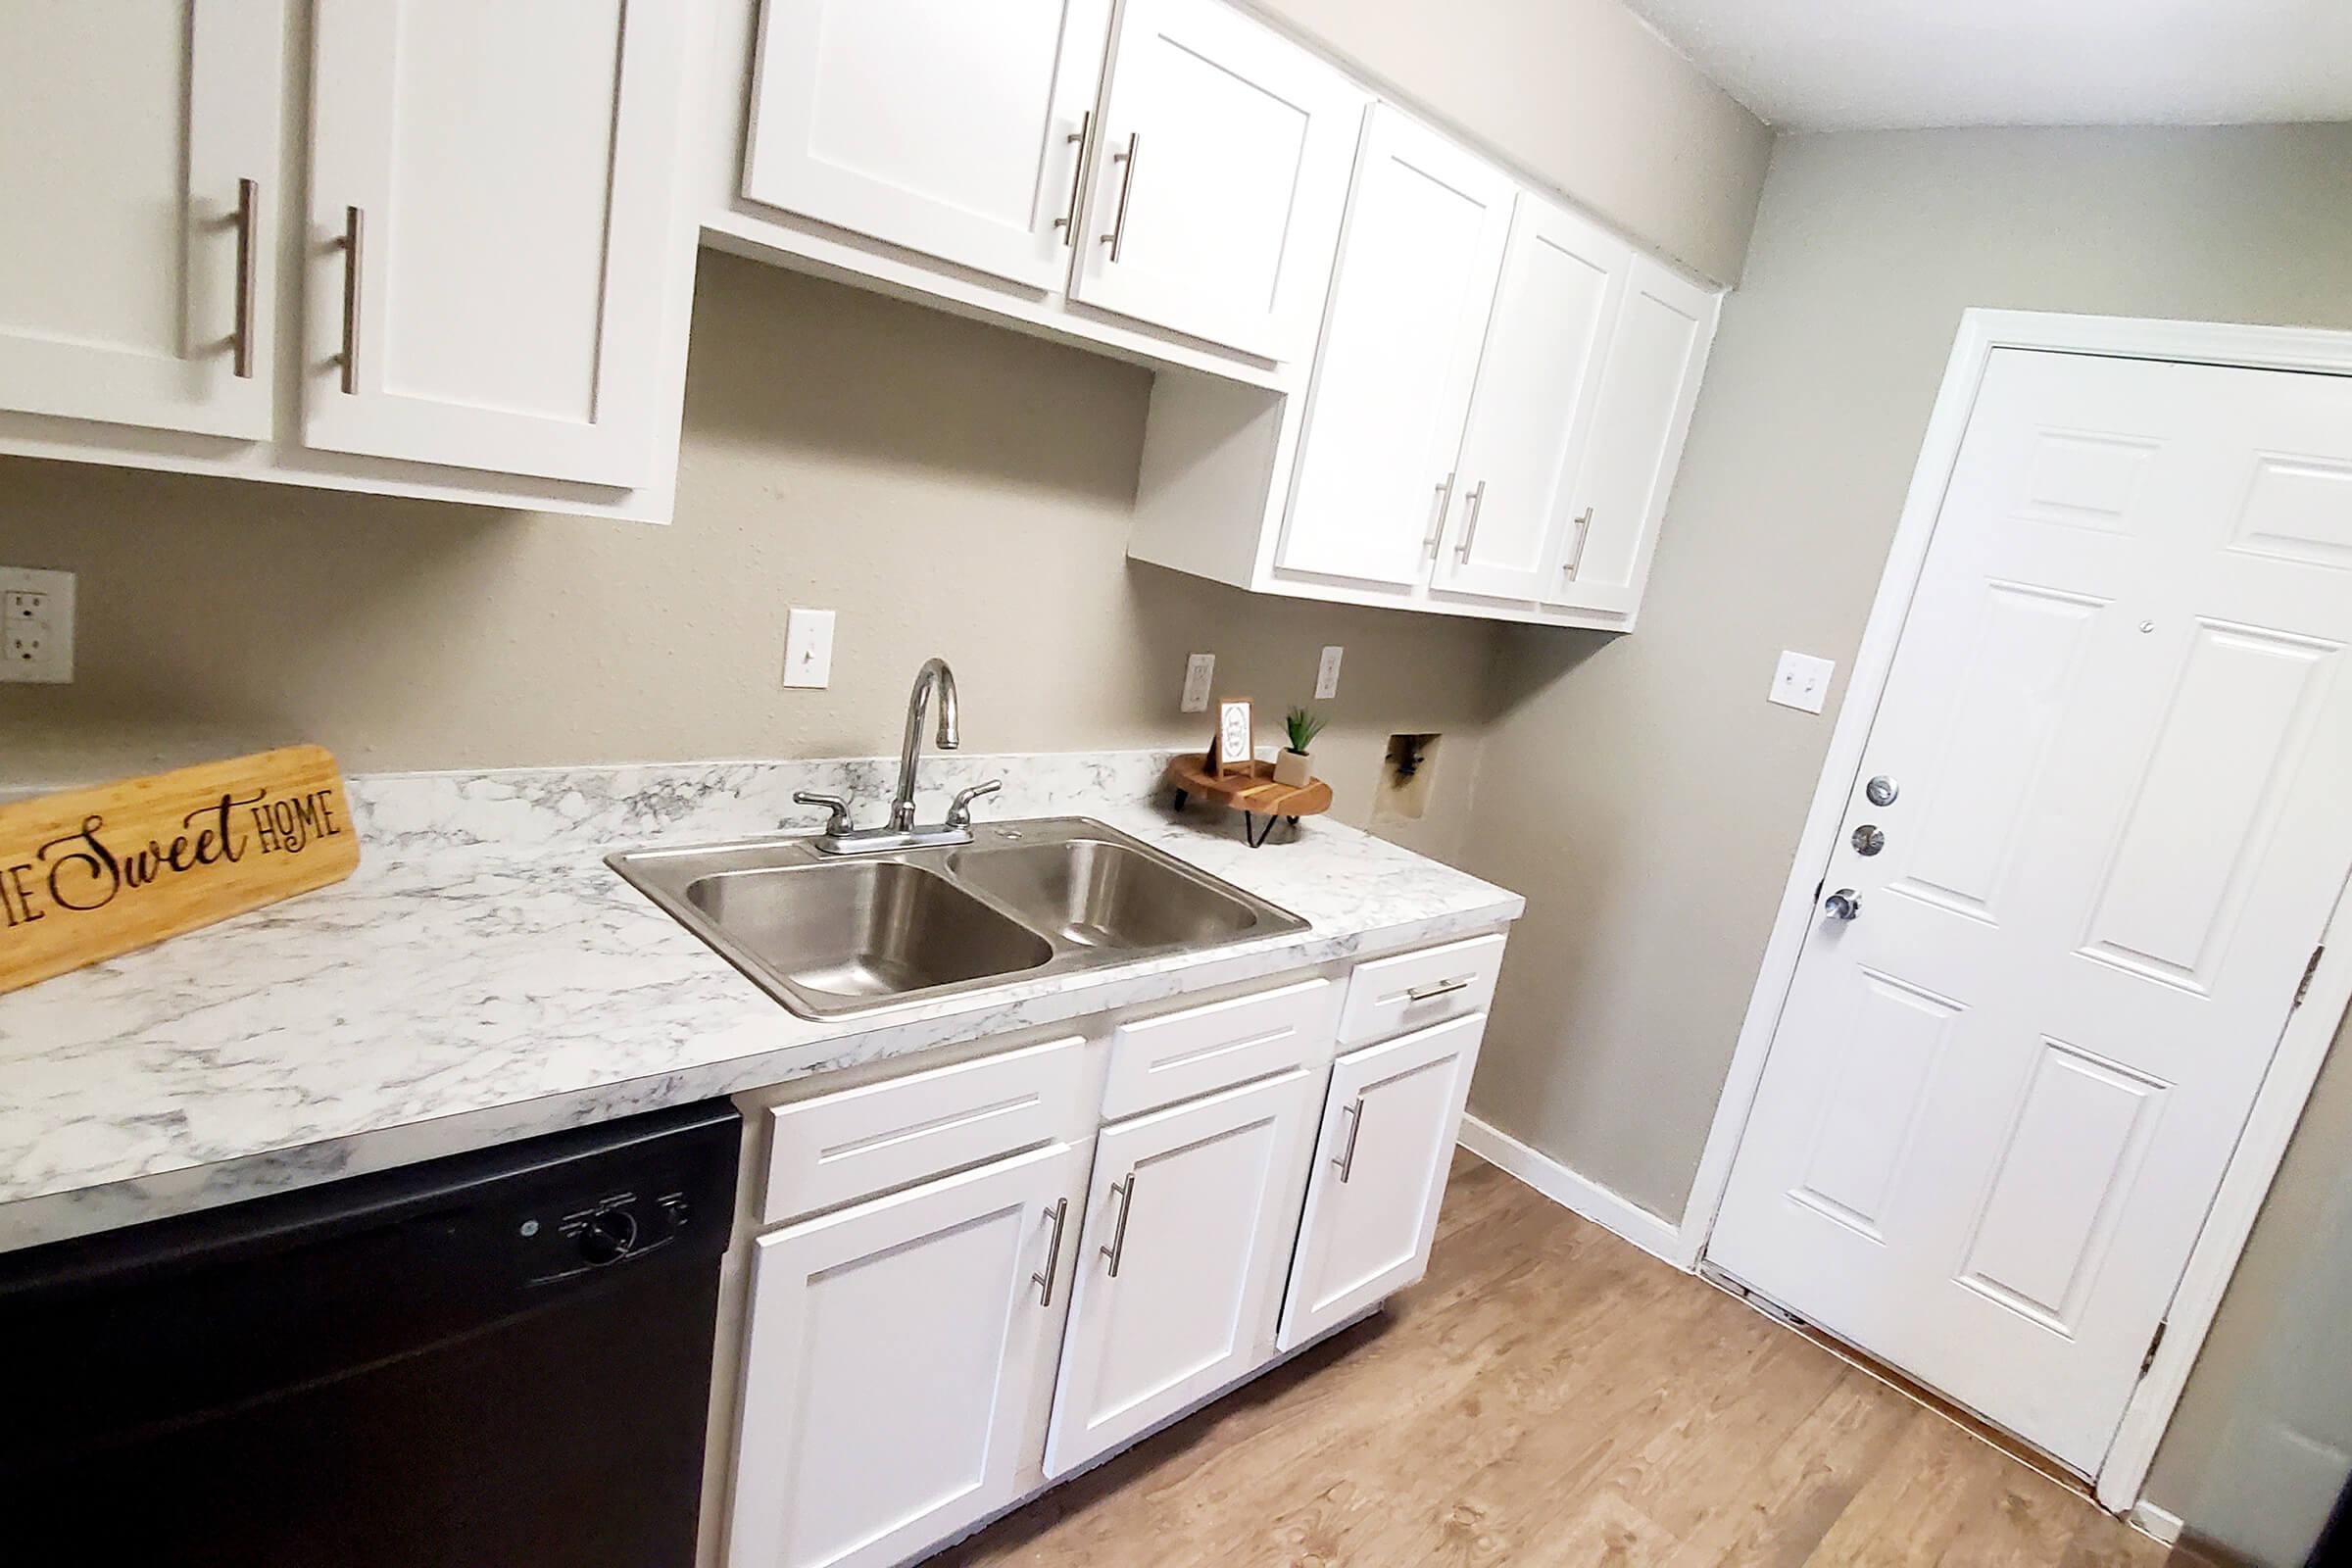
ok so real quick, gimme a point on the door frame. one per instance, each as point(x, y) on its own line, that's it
point(2310, 1028)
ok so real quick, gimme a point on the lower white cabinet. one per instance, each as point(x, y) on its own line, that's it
point(900, 1363)
point(1188, 1235)
point(1386, 1144)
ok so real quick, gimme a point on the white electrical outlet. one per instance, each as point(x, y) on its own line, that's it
point(1326, 672)
point(1801, 682)
point(808, 646)
point(1200, 672)
point(36, 625)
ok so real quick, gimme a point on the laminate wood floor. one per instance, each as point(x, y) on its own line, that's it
point(1552, 1396)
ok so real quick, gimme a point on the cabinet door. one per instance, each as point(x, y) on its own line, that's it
point(493, 228)
point(898, 1362)
point(1189, 1229)
point(1416, 279)
point(1648, 384)
point(1537, 378)
point(126, 131)
point(953, 130)
point(1219, 180)
point(1381, 1163)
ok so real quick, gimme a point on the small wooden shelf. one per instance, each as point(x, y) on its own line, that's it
point(1254, 793)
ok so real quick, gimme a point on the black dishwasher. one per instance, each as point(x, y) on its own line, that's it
point(499, 1360)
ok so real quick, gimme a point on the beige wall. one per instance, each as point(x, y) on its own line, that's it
point(1639, 789)
point(1615, 117)
point(944, 486)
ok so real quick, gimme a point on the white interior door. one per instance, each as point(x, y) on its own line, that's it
point(1649, 384)
point(1387, 1148)
point(506, 170)
point(1537, 377)
point(133, 247)
point(1220, 179)
point(1408, 309)
point(953, 130)
point(1188, 1235)
point(898, 1362)
point(2117, 732)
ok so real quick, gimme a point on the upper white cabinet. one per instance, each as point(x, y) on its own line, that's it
point(139, 172)
point(1220, 177)
point(957, 130)
point(490, 194)
point(1423, 244)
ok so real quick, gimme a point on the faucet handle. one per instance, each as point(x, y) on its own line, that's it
point(840, 822)
point(960, 811)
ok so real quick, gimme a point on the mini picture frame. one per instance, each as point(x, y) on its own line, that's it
point(1233, 748)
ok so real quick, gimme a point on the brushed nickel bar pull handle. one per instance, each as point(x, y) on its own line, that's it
point(353, 225)
point(1356, 1124)
point(1116, 239)
point(1584, 532)
point(1060, 1213)
point(1443, 988)
point(248, 214)
point(1068, 222)
point(1436, 528)
point(1478, 495)
point(1117, 1248)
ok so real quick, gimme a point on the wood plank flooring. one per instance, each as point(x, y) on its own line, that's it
point(1552, 1395)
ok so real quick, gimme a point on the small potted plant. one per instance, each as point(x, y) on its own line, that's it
point(1293, 766)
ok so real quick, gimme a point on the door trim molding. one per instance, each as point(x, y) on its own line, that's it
point(2310, 1028)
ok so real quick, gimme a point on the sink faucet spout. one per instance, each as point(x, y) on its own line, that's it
point(934, 676)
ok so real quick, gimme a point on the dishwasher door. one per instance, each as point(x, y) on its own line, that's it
point(500, 1359)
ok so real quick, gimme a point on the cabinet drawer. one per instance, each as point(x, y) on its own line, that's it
point(837, 1148)
point(1177, 1056)
point(1388, 996)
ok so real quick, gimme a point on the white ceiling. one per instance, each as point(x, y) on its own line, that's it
point(1836, 65)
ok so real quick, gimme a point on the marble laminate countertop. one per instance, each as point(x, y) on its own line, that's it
point(485, 976)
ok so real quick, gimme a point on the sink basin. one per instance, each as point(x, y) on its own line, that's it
point(828, 935)
point(878, 928)
point(1091, 893)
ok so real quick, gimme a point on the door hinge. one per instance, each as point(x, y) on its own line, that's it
point(2303, 986)
point(2154, 1342)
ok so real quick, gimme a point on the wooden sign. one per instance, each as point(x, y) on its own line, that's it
point(87, 874)
point(1234, 746)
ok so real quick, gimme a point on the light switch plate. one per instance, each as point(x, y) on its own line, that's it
point(36, 625)
point(808, 646)
point(1199, 673)
point(1801, 681)
point(1327, 673)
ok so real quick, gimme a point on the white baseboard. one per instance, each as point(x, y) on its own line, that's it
point(2160, 1525)
point(1579, 1194)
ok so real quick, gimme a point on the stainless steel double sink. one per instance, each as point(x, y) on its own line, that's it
point(830, 935)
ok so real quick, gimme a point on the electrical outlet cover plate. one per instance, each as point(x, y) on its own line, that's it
point(36, 625)
point(1199, 673)
point(1327, 673)
point(1801, 682)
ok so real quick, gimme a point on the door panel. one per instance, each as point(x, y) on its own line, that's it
point(2001, 1100)
point(898, 1364)
point(1221, 224)
point(1386, 1146)
point(129, 126)
point(1648, 387)
point(949, 129)
point(508, 312)
point(1409, 304)
point(1537, 377)
point(1196, 1208)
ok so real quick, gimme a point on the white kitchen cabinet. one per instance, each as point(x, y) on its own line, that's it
point(958, 131)
point(1188, 1235)
point(490, 199)
point(1657, 351)
point(899, 1362)
point(1219, 180)
point(1537, 377)
point(1381, 1163)
point(1423, 245)
point(139, 172)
